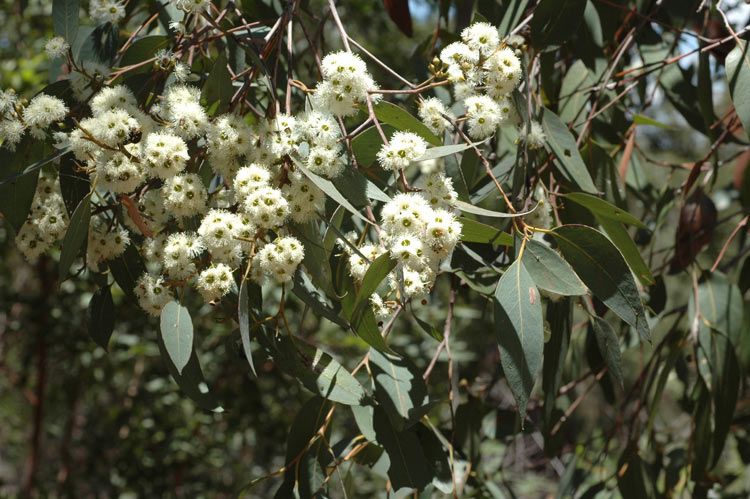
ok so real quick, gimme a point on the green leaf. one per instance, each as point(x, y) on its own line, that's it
point(549, 271)
point(514, 11)
point(564, 146)
point(376, 272)
point(593, 23)
point(477, 232)
point(363, 417)
point(366, 145)
point(142, 50)
point(428, 328)
point(720, 306)
point(701, 434)
point(367, 329)
point(126, 269)
point(243, 316)
point(362, 318)
point(725, 394)
point(604, 209)
point(315, 369)
point(407, 466)
point(629, 250)
point(470, 169)
point(306, 291)
point(520, 331)
point(218, 90)
point(101, 317)
point(633, 480)
point(305, 472)
point(177, 333)
point(435, 446)
point(573, 94)
point(476, 210)
point(75, 237)
point(640, 119)
point(65, 18)
point(603, 269)
point(555, 21)
point(191, 380)
point(560, 318)
point(74, 185)
point(399, 388)
point(400, 119)
point(17, 189)
point(442, 151)
point(330, 190)
point(316, 257)
point(738, 77)
point(609, 346)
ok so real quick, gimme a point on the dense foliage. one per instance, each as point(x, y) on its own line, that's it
point(482, 250)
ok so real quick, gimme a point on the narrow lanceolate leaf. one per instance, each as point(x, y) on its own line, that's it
point(401, 120)
point(477, 232)
point(442, 151)
point(191, 380)
point(720, 306)
point(550, 272)
point(604, 209)
point(627, 247)
point(560, 318)
point(177, 333)
point(65, 18)
point(476, 210)
point(126, 269)
point(305, 472)
point(399, 388)
point(17, 188)
point(520, 332)
point(603, 269)
point(556, 20)
point(609, 347)
point(316, 370)
point(331, 191)
point(101, 317)
point(244, 317)
point(76, 235)
point(407, 462)
point(738, 77)
point(563, 145)
point(217, 91)
point(366, 145)
point(376, 272)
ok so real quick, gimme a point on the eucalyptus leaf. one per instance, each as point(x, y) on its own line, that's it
point(549, 271)
point(76, 236)
point(520, 331)
point(177, 333)
point(400, 119)
point(603, 269)
point(563, 145)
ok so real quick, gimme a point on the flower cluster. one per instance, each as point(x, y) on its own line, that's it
point(484, 71)
point(346, 84)
point(47, 221)
point(35, 118)
point(206, 198)
point(419, 230)
point(200, 197)
point(106, 11)
point(402, 149)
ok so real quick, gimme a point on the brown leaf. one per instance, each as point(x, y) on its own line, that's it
point(398, 10)
point(694, 230)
